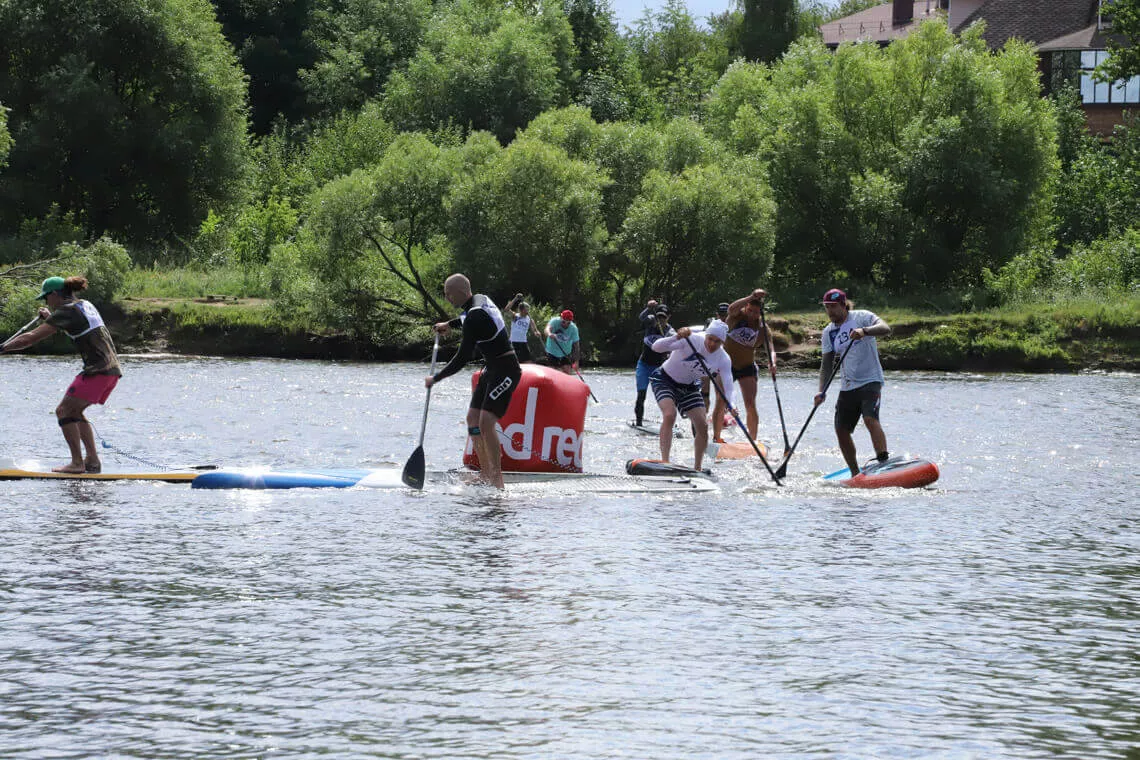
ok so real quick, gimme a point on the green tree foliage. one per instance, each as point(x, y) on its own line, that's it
point(369, 239)
point(484, 67)
point(359, 44)
point(1101, 188)
point(609, 78)
point(529, 219)
point(130, 113)
point(273, 43)
point(699, 234)
point(769, 26)
point(679, 61)
point(1124, 58)
point(917, 165)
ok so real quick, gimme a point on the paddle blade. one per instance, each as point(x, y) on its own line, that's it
point(782, 470)
point(413, 475)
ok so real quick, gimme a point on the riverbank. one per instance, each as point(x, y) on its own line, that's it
point(1049, 338)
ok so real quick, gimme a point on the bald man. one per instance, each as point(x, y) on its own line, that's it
point(483, 328)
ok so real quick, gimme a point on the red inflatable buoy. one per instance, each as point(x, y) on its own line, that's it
point(542, 429)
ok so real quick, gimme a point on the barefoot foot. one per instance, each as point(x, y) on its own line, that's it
point(73, 468)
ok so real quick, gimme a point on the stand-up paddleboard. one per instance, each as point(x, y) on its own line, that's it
point(896, 472)
point(657, 468)
point(32, 470)
point(654, 429)
point(739, 450)
point(390, 479)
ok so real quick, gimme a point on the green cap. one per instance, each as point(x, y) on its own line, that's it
point(51, 285)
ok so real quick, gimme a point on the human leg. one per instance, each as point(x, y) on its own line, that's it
point(493, 464)
point(747, 387)
point(700, 434)
point(665, 435)
point(69, 413)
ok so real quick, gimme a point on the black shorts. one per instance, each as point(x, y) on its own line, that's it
point(496, 386)
point(522, 351)
point(749, 370)
point(855, 403)
point(559, 361)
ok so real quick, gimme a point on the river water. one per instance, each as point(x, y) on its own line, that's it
point(994, 615)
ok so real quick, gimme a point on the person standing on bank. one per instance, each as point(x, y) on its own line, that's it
point(81, 321)
point(521, 327)
point(676, 383)
point(483, 328)
point(563, 347)
point(852, 333)
point(655, 321)
point(744, 334)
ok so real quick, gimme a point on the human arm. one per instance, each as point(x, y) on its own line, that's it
point(28, 339)
point(877, 329)
point(478, 326)
point(670, 342)
point(752, 299)
point(825, 369)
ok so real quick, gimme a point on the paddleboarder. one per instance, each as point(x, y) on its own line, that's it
point(677, 383)
point(483, 328)
point(563, 347)
point(522, 326)
point(721, 314)
point(745, 332)
point(80, 321)
point(654, 320)
point(853, 331)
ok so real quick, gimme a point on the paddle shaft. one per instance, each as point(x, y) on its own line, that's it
point(21, 331)
point(427, 401)
point(834, 371)
point(772, 372)
point(743, 428)
point(579, 374)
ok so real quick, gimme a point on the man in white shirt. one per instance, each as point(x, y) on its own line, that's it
point(522, 325)
point(677, 383)
point(852, 332)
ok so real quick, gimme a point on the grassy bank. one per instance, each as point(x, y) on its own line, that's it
point(225, 312)
point(1064, 336)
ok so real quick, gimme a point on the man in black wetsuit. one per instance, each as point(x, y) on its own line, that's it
point(483, 328)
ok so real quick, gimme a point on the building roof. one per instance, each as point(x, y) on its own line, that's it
point(1036, 21)
point(874, 24)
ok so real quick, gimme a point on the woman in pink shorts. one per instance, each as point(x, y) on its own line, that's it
point(81, 322)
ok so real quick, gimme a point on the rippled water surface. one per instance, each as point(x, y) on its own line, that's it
point(995, 615)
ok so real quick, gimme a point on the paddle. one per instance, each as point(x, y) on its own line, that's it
point(782, 470)
point(743, 428)
point(772, 371)
point(579, 374)
point(413, 474)
point(21, 331)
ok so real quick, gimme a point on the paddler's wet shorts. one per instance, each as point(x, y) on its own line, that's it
point(855, 403)
point(748, 370)
point(496, 385)
point(94, 389)
point(684, 397)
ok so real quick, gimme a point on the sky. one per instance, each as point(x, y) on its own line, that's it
point(629, 11)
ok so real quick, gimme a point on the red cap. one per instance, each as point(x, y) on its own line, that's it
point(568, 315)
point(835, 295)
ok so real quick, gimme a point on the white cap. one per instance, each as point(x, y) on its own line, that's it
point(717, 329)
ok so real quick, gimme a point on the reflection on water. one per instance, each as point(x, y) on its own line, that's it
point(993, 616)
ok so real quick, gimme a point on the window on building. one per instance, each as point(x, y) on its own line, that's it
point(1093, 91)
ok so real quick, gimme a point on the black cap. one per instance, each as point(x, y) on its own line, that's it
point(662, 309)
point(722, 307)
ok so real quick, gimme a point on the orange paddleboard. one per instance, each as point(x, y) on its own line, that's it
point(740, 450)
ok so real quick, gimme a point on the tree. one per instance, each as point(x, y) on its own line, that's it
point(5, 137)
point(359, 43)
point(273, 43)
point(483, 67)
point(769, 27)
point(1123, 59)
point(697, 235)
point(130, 113)
point(530, 219)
